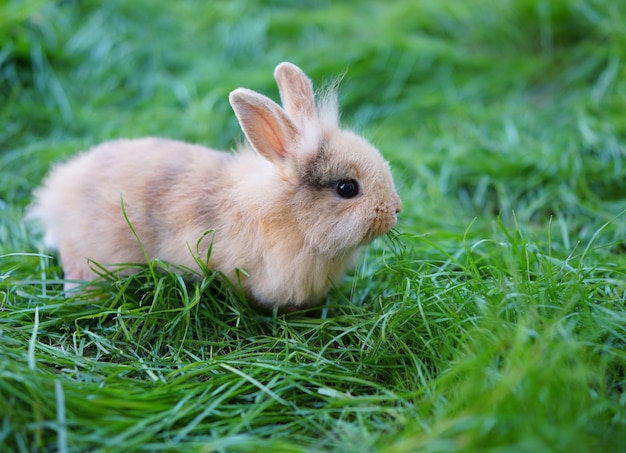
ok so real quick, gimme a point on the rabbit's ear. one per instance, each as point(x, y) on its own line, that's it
point(266, 125)
point(296, 91)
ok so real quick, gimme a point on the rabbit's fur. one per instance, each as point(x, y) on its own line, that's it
point(275, 207)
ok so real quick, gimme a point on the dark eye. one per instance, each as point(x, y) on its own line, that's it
point(347, 188)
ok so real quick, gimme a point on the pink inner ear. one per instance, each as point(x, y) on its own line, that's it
point(273, 133)
point(268, 127)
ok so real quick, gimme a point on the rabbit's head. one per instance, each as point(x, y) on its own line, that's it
point(340, 189)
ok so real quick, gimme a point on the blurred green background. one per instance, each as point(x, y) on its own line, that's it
point(501, 99)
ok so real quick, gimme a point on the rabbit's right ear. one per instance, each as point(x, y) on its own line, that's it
point(268, 128)
point(296, 91)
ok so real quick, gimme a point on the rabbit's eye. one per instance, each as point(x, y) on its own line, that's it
point(347, 188)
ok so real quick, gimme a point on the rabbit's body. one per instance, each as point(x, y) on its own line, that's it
point(276, 213)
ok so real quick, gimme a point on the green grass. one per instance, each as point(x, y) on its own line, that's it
point(494, 319)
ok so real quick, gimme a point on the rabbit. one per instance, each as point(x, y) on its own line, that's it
point(291, 209)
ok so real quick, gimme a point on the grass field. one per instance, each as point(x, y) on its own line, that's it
point(492, 320)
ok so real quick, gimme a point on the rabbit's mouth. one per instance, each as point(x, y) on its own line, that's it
point(379, 226)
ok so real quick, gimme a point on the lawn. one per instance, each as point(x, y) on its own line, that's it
point(493, 317)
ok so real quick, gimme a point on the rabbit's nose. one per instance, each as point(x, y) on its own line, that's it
point(398, 204)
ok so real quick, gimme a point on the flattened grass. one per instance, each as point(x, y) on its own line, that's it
point(492, 319)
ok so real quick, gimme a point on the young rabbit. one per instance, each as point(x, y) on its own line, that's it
point(291, 210)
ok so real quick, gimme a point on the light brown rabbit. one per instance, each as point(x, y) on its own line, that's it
point(291, 210)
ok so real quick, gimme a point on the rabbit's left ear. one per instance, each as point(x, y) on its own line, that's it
point(266, 125)
point(296, 92)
